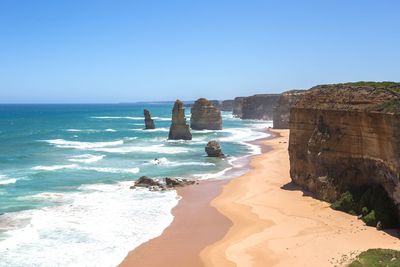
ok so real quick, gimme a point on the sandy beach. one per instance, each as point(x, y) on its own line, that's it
point(259, 219)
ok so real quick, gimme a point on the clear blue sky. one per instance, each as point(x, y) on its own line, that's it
point(78, 51)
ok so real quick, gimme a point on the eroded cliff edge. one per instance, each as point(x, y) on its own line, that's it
point(344, 136)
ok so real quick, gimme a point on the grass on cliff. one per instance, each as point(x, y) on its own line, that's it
point(393, 86)
point(376, 258)
point(372, 203)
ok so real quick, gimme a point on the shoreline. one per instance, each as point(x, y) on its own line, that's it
point(178, 244)
point(276, 223)
point(259, 218)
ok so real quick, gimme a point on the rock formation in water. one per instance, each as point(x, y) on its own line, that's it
point(237, 107)
point(179, 129)
point(345, 136)
point(213, 149)
point(216, 103)
point(155, 185)
point(281, 111)
point(205, 116)
point(148, 121)
point(259, 107)
point(227, 105)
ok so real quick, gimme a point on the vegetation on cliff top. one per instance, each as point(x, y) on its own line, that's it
point(393, 86)
point(372, 203)
point(377, 258)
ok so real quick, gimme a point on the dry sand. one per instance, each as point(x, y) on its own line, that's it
point(275, 224)
point(259, 219)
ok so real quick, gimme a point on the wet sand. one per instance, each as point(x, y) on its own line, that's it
point(196, 224)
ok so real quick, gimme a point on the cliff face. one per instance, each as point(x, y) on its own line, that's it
point(205, 116)
point(259, 107)
point(343, 136)
point(281, 111)
point(179, 128)
point(237, 107)
point(148, 121)
point(227, 105)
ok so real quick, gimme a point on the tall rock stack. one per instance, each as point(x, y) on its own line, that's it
point(179, 129)
point(227, 105)
point(148, 121)
point(344, 136)
point(281, 111)
point(237, 106)
point(205, 116)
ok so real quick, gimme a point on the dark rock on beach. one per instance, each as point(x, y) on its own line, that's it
point(179, 129)
point(148, 121)
point(176, 182)
point(213, 149)
point(154, 185)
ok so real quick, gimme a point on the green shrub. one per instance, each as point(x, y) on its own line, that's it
point(377, 258)
point(345, 203)
point(370, 219)
point(372, 202)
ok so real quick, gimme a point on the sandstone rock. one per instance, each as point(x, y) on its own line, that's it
point(147, 182)
point(179, 129)
point(259, 107)
point(216, 103)
point(213, 149)
point(237, 107)
point(175, 182)
point(205, 116)
point(348, 134)
point(281, 111)
point(148, 121)
point(227, 105)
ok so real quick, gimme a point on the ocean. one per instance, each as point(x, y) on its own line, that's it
point(65, 172)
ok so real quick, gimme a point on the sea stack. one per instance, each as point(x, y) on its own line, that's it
point(205, 116)
point(179, 129)
point(148, 121)
point(213, 149)
point(227, 105)
point(237, 107)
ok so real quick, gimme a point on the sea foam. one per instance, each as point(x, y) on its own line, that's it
point(106, 220)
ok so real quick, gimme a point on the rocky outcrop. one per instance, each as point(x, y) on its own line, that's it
point(259, 107)
point(148, 121)
point(205, 116)
point(344, 136)
point(155, 185)
point(213, 149)
point(237, 107)
point(179, 129)
point(281, 111)
point(176, 182)
point(227, 105)
point(216, 103)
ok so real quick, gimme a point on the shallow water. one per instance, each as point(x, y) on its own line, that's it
point(65, 172)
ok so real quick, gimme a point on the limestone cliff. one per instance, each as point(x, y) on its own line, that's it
point(237, 107)
point(205, 116)
point(259, 107)
point(227, 105)
point(179, 128)
point(148, 121)
point(281, 111)
point(343, 136)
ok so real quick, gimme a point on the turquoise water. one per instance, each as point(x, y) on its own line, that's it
point(65, 172)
